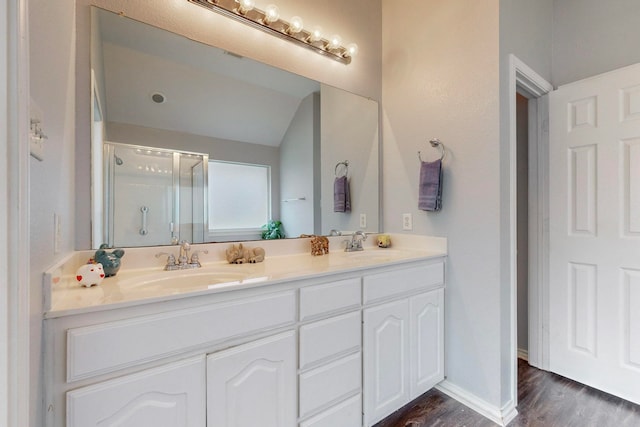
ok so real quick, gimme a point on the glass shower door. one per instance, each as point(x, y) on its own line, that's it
point(154, 196)
point(143, 196)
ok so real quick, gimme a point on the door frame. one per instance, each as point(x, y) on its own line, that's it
point(14, 217)
point(524, 80)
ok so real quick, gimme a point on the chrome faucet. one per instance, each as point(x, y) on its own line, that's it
point(355, 244)
point(185, 247)
point(185, 261)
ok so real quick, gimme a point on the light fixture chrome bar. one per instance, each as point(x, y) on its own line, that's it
point(279, 28)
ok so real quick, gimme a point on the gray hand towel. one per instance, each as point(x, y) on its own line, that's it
point(341, 196)
point(430, 188)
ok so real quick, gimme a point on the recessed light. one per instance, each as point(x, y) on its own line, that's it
point(158, 98)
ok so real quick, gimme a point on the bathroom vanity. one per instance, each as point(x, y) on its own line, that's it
point(343, 339)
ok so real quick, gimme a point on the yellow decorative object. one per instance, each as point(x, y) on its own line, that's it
point(384, 241)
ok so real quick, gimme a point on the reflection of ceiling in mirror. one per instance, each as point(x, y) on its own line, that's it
point(204, 87)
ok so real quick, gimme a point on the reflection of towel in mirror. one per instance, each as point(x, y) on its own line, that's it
point(430, 189)
point(341, 196)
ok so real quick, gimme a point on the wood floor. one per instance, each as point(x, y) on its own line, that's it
point(545, 400)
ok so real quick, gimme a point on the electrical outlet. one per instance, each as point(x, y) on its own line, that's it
point(407, 222)
point(363, 220)
point(57, 233)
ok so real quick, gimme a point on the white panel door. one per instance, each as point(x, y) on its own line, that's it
point(386, 359)
point(170, 396)
point(426, 341)
point(253, 384)
point(595, 232)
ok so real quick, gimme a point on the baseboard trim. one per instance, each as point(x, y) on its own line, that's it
point(500, 416)
point(523, 354)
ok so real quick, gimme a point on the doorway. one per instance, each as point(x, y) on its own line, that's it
point(533, 242)
point(522, 218)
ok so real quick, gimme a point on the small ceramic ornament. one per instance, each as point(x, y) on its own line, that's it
point(242, 255)
point(110, 260)
point(384, 241)
point(90, 274)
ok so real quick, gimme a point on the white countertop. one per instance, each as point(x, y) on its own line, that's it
point(145, 284)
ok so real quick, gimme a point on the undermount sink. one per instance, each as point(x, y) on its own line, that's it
point(181, 280)
point(373, 255)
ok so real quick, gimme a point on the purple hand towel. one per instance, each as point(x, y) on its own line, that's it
point(430, 188)
point(341, 196)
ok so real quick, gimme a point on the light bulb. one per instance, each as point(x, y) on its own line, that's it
point(316, 34)
point(352, 50)
point(271, 14)
point(334, 42)
point(246, 5)
point(296, 25)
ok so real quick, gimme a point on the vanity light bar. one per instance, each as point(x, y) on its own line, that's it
point(269, 21)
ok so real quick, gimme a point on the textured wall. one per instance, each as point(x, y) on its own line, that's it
point(593, 36)
point(441, 79)
point(52, 87)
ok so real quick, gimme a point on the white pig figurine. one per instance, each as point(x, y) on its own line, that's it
point(90, 274)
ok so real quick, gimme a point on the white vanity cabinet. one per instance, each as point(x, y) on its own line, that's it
point(403, 337)
point(253, 384)
point(343, 349)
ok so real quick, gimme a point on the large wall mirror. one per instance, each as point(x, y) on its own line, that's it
point(193, 142)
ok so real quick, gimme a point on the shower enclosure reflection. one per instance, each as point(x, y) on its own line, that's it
point(154, 196)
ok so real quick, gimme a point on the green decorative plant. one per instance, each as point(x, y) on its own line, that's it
point(272, 230)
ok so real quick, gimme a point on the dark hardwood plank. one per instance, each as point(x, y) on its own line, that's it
point(544, 400)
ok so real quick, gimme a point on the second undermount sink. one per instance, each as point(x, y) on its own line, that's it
point(181, 281)
point(377, 255)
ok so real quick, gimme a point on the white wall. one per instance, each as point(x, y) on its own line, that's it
point(526, 31)
point(355, 20)
point(441, 79)
point(5, 318)
point(52, 86)
point(299, 170)
point(594, 36)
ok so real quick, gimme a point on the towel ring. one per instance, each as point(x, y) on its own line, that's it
point(346, 168)
point(435, 142)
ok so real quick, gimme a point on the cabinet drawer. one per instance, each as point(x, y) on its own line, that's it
point(344, 414)
point(107, 347)
point(388, 284)
point(330, 337)
point(329, 297)
point(327, 384)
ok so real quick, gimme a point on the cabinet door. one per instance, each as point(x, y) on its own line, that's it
point(253, 384)
point(169, 396)
point(386, 359)
point(427, 341)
